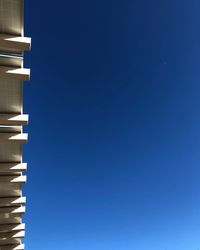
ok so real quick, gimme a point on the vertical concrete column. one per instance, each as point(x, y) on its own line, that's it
point(12, 168)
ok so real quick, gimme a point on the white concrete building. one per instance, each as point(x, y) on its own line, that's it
point(12, 168)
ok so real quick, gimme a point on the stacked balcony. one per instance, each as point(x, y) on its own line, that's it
point(12, 119)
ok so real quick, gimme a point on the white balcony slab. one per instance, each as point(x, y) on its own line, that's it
point(17, 234)
point(13, 119)
point(13, 179)
point(12, 167)
point(15, 73)
point(12, 210)
point(14, 43)
point(13, 247)
point(12, 201)
point(12, 227)
point(13, 137)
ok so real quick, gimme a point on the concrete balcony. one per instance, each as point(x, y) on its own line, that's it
point(13, 247)
point(15, 44)
point(12, 210)
point(13, 119)
point(12, 167)
point(13, 201)
point(14, 73)
point(13, 179)
point(13, 137)
point(12, 227)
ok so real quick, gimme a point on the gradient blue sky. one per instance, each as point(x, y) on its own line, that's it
point(114, 134)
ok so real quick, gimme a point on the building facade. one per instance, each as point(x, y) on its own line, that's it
point(12, 119)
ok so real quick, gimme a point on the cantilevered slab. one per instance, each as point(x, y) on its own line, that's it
point(13, 119)
point(13, 179)
point(12, 227)
point(12, 201)
point(12, 167)
point(11, 238)
point(13, 137)
point(17, 234)
point(12, 210)
point(13, 247)
point(15, 73)
point(17, 44)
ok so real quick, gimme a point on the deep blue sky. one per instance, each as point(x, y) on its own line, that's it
point(114, 133)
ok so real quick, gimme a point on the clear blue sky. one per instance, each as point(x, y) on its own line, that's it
point(114, 134)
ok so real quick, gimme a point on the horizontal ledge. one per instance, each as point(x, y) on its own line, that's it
point(13, 119)
point(15, 73)
point(12, 227)
point(12, 210)
point(13, 179)
point(12, 167)
point(10, 235)
point(14, 43)
point(10, 201)
point(13, 247)
point(13, 137)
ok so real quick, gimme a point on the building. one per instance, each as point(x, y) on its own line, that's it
point(12, 168)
